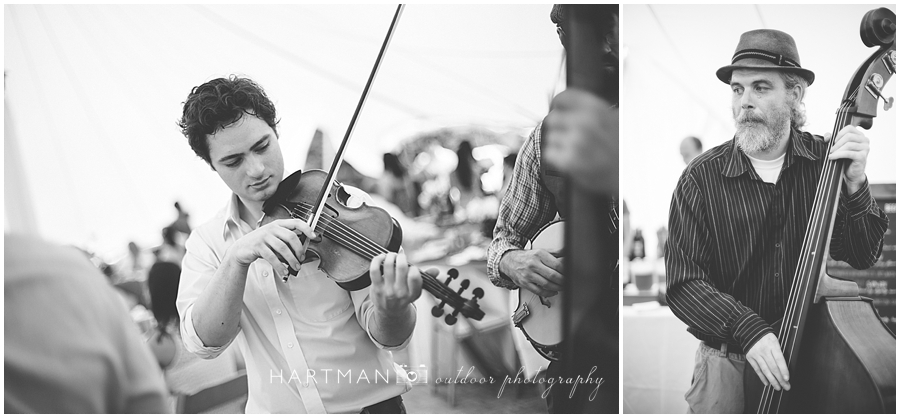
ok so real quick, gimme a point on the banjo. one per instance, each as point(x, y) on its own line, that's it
point(541, 318)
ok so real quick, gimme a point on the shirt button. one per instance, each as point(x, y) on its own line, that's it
point(776, 274)
point(278, 311)
point(306, 383)
point(265, 274)
point(777, 244)
point(290, 345)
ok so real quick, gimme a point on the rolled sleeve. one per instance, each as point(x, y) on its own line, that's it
point(192, 341)
point(365, 309)
point(391, 348)
point(197, 269)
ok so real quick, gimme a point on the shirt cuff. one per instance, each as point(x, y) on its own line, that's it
point(494, 274)
point(750, 328)
point(392, 348)
point(858, 204)
point(192, 341)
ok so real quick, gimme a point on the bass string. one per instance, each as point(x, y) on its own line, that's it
point(817, 218)
point(817, 224)
point(365, 247)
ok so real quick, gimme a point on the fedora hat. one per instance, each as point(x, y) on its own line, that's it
point(765, 49)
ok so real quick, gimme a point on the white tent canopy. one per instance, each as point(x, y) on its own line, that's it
point(94, 92)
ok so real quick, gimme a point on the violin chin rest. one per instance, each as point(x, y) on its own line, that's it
point(285, 189)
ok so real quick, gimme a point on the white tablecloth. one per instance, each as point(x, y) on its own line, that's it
point(658, 361)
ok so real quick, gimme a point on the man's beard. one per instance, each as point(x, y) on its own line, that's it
point(760, 133)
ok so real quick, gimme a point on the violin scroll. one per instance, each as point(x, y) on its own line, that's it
point(469, 308)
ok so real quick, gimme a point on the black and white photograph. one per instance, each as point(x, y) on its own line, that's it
point(758, 184)
point(305, 208)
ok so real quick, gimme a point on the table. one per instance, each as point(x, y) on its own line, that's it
point(658, 360)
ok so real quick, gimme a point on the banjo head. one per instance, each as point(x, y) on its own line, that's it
point(543, 324)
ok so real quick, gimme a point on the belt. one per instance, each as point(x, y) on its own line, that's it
point(725, 348)
point(390, 406)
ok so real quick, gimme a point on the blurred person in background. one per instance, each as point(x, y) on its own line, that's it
point(185, 373)
point(690, 147)
point(172, 248)
point(69, 344)
point(509, 163)
point(396, 186)
point(466, 178)
point(134, 266)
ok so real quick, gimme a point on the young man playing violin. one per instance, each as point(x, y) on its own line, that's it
point(738, 217)
point(310, 346)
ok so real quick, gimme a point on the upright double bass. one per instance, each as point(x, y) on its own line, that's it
point(841, 356)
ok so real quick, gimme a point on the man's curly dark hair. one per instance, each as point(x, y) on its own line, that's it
point(218, 103)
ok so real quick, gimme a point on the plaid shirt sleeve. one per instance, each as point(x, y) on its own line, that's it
point(525, 208)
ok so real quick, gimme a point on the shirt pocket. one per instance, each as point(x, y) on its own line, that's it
point(317, 298)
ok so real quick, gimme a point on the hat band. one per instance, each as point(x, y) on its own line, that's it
point(777, 59)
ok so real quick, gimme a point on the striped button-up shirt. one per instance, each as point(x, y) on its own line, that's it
point(734, 240)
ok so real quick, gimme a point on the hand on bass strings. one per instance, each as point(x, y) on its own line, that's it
point(395, 284)
point(852, 145)
point(538, 271)
point(277, 242)
point(768, 362)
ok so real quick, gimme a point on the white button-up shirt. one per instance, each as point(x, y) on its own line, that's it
point(306, 342)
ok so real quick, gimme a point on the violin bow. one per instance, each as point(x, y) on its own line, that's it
point(339, 157)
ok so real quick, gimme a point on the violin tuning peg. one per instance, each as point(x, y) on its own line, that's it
point(454, 273)
point(450, 319)
point(464, 284)
point(478, 293)
point(437, 311)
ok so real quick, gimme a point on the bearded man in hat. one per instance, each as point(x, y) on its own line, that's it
point(739, 214)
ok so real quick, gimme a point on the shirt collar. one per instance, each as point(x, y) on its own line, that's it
point(232, 218)
point(798, 146)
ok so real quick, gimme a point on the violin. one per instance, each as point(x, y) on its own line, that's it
point(841, 356)
point(349, 238)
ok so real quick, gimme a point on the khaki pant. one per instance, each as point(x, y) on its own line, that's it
point(718, 384)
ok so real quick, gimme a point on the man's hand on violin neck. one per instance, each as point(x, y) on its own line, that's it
point(852, 145)
point(768, 362)
point(276, 242)
point(538, 271)
point(395, 284)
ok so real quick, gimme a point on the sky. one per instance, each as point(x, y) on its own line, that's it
point(670, 91)
point(93, 93)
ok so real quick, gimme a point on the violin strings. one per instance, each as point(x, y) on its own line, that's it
point(817, 223)
point(365, 247)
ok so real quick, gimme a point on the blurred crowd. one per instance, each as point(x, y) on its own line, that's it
point(445, 186)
